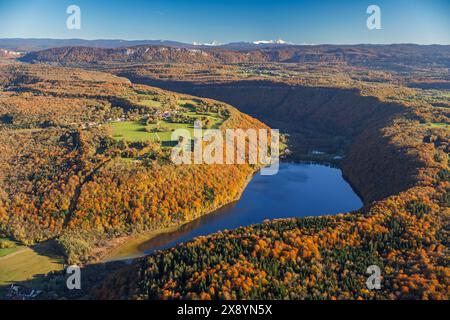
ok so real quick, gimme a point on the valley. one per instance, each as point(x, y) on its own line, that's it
point(72, 125)
point(264, 198)
point(106, 140)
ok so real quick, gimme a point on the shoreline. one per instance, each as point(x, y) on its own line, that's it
point(125, 248)
point(117, 252)
point(112, 253)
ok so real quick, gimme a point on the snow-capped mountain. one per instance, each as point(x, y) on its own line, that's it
point(279, 41)
point(208, 44)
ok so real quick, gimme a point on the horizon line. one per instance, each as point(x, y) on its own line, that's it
point(226, 43)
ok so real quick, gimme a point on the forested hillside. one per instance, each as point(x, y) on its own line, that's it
point(395, 142)
point(385, 123)
point(380, 56)
point(65, 175)
point(405, 234)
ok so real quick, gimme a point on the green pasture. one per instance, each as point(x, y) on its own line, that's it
point(137, 131)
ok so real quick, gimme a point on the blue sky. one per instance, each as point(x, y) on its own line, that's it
point(312, 22)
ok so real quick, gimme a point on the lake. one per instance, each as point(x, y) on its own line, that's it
point(298, 190)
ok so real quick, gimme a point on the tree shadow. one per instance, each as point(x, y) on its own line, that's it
point(49, 248)
point(53, 285)
point(169, 143)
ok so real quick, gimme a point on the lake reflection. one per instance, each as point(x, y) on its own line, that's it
point(297, 190)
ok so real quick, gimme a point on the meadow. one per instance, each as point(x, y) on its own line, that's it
point(23, 263)
point(139, 131)
point(439, 125)
point(135, 131)
point(7, 247)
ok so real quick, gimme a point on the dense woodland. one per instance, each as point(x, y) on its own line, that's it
point(392, 57)
point(406, 235)
point(62, 176)
point(396, 144)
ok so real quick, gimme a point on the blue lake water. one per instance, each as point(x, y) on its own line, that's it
point(297, 190)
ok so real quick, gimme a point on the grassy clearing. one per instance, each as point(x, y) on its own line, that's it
point(439, 125)
point(132, 131)
point(149, 100)
point(151, 103)
point(137, 131)
point(28, 262)
point(8, 246)
point(187, 102)
point(215, 120)
point(165, 136)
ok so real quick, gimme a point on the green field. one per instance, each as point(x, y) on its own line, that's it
point(215, 120)
point(7, 247)
point(136, 131)
point(149, 100)
point(183, 102)
point(439, 125)
point(150, 103)
point(27, 262)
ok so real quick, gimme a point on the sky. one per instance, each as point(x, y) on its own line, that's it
point(202, 21)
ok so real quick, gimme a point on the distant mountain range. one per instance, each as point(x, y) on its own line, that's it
point(394, 56)
point(79, 51)
point(27, 45)
point(19, 44)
